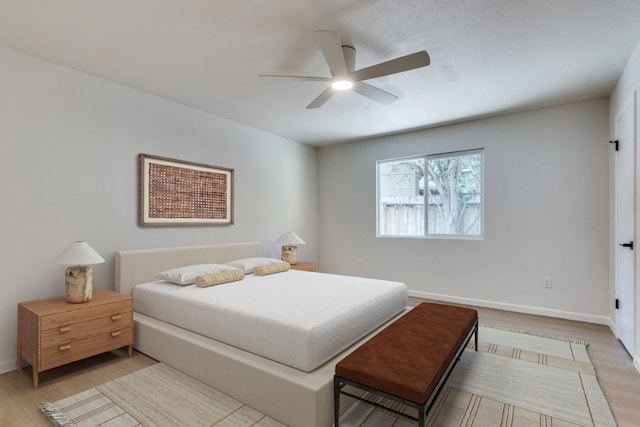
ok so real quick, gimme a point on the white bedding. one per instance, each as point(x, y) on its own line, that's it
point(297, 318)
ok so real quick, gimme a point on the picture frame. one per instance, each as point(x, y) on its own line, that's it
point(178, 192)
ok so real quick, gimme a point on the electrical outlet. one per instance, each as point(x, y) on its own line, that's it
point(359, 265)
point(547, 282)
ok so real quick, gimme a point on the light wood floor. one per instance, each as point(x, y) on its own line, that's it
point(619, 380)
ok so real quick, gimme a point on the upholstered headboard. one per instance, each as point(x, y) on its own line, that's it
point(138, 266)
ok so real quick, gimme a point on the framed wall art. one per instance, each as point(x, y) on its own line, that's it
point(177, 192)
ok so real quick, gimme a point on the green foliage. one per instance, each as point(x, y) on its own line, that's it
point(463, 172)
point(452, 184)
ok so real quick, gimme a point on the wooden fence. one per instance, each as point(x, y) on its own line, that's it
point(408, 220)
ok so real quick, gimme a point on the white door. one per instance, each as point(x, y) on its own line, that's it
point(625, 226)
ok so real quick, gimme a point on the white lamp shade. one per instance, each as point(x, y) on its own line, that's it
point(79, 253)
point(290, 238)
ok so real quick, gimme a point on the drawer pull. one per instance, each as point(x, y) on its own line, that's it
point(65, 328)
point(65, 347)
point(116, 333)
point(116, 317)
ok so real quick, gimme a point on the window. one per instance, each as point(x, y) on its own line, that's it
point(431, 196)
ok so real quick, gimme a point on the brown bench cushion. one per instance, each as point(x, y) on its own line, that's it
point(407, 358)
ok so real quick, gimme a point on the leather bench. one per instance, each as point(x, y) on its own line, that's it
point(410, 360)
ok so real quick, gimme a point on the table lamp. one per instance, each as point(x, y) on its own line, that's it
point(78, 276)
point(290, 252)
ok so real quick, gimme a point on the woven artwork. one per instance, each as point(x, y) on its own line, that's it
point(178, 192)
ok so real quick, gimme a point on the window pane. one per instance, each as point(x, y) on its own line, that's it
point(401, 197)
point(455, 195)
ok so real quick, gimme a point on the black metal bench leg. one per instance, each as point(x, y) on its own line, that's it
point(336, 401)
point(421, 418)
point(476, 337)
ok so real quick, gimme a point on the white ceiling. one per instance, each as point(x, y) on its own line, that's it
point(487, 56)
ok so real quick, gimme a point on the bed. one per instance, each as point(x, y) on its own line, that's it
point(279, 388)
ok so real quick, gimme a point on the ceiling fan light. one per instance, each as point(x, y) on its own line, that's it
point(342, 84)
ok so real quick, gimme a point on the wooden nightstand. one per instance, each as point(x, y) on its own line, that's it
point(53, 332)
point(304, 266)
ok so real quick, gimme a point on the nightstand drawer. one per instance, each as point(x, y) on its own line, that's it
point(77, 331)
point(76, 350)
point(83, 314)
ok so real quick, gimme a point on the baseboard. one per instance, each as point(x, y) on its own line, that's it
point(612, 326)
point(8, 366)
point(581, 317)
point(635, 359)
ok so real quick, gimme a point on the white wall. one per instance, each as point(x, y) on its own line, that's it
point(546, 214)
point(68, 149)
point(626, 89)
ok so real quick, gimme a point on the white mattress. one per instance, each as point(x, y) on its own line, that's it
point(300, 319)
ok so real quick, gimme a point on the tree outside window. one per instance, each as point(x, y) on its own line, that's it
point(453, 203)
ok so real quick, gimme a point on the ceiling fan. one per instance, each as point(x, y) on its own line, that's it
point(341, 60)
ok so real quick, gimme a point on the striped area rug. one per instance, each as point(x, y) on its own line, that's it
point(154, 396)
point(515, 379)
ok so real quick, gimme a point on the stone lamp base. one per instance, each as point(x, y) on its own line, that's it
point(78, 284)
point(290, 254)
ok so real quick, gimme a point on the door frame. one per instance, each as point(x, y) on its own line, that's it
point(636, 138)
point(630, 102)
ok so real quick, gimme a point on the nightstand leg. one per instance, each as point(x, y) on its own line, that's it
point(131, 350)
point(19, 354)
point(34, 359)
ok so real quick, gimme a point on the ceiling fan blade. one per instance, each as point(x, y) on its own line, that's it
point(398, 65)
point(374, 93)
point(331, 47)
point(321, 99)
point(300, 78)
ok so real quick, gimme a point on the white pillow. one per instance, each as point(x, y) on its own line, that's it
point(248, 264)
point(187, 275)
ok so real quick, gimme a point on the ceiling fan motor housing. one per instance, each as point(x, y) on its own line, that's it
point(349, 57)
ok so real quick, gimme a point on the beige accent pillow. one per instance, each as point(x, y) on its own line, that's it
point(219, 278)
point(277, 267)
point(248, 264)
